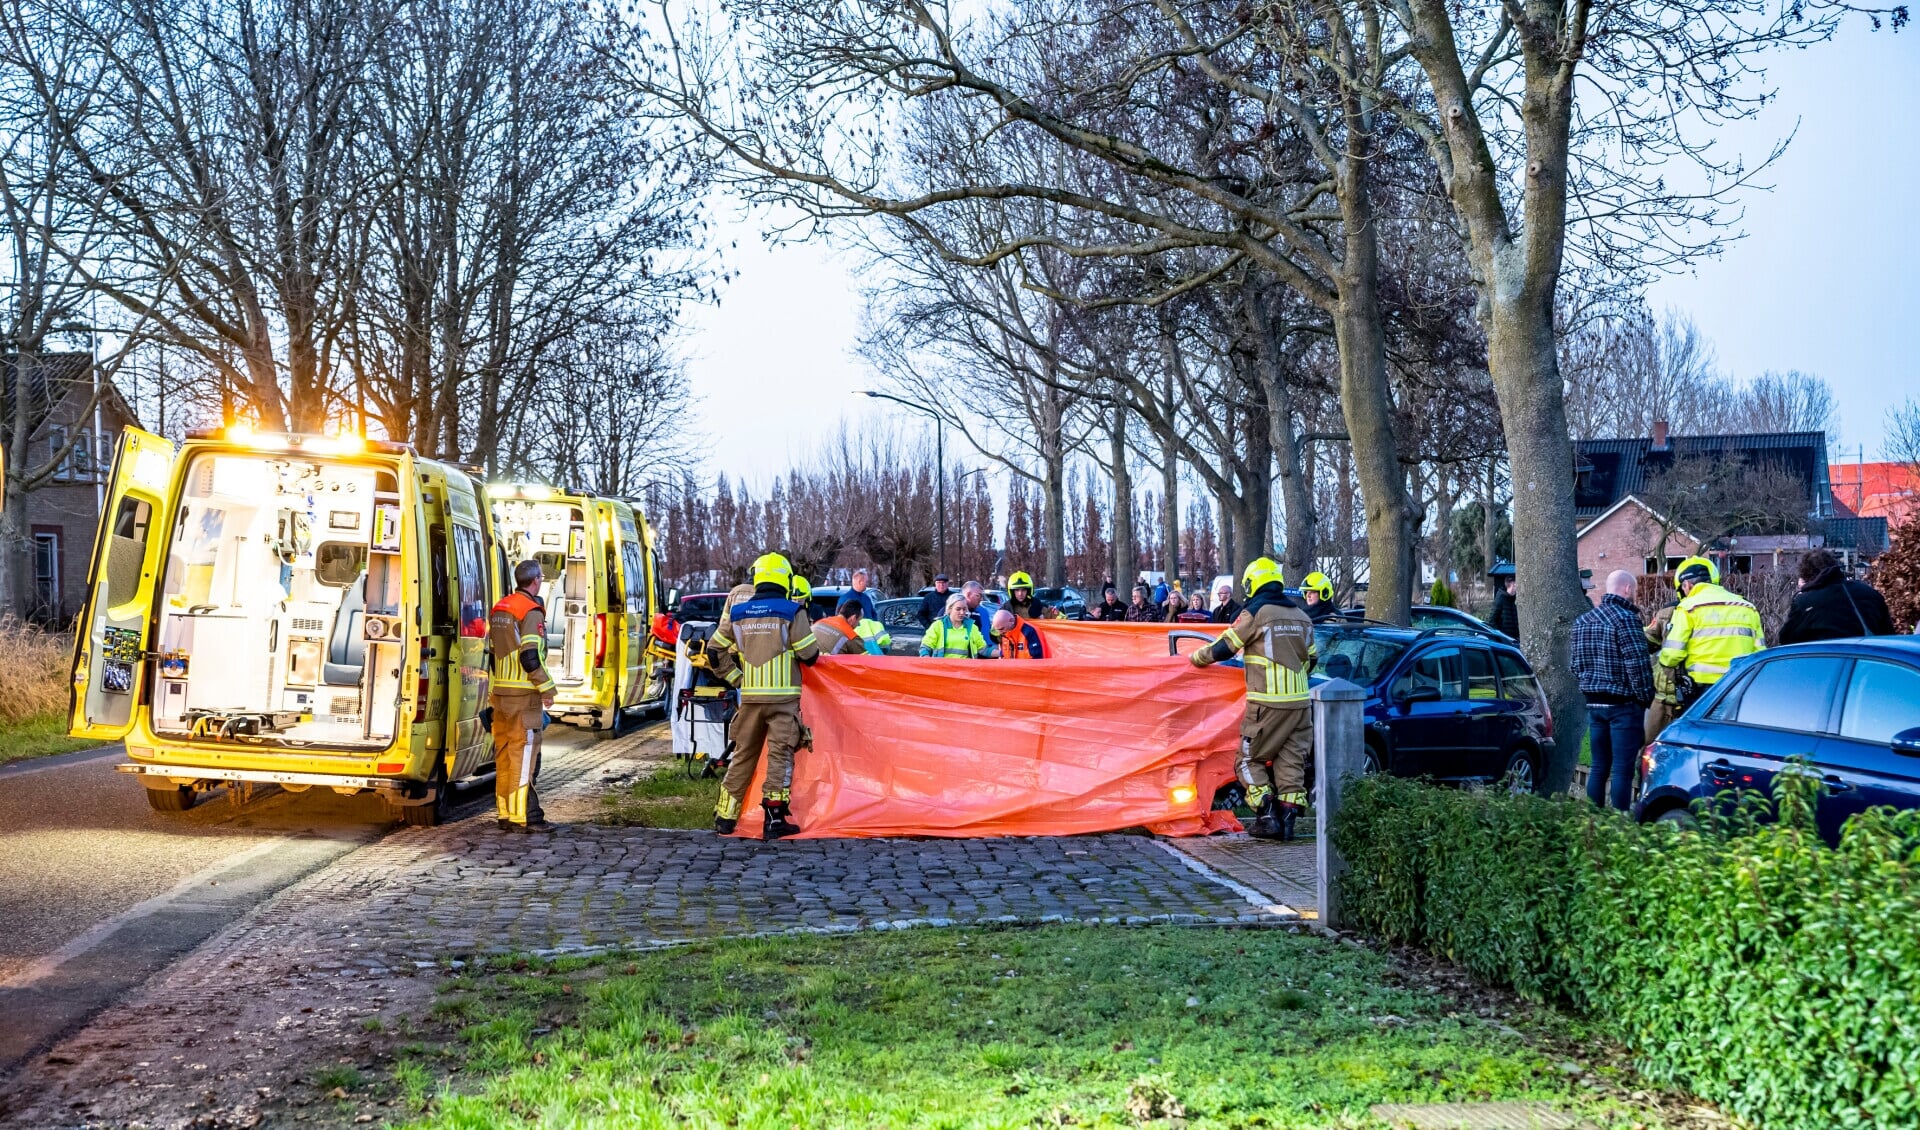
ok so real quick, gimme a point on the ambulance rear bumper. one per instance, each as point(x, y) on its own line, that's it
point(183, 774)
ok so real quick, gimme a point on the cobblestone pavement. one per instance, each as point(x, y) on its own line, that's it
point(300, 977)
point(1282, 873)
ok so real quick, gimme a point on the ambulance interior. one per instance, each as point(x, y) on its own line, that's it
point(280, 614)
point(555, 534)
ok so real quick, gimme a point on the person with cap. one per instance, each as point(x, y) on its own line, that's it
point(1024, 604)
point(519, 694)
point(1110, 607)
point(1225, 608)
point(1505, 617)
point(759, 652)
point(1711, 628)
point(933, 605)
point(956, 635)
point(1317, 591)
point(1143, 610)
point(1015, 638)
point(1276, 732)
point(839, 634)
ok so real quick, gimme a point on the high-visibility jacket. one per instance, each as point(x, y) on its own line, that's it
point(837, 637)
point(1275, 639)
point(873, 635)
point(945, 640)
point(1710, 629)
point(761, 646)
point(517, 639)
point(1022, 641)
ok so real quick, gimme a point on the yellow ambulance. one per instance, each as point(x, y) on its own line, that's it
point(305, 611)
point(601, 588)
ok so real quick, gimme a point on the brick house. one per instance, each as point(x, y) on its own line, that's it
point(62, 511)
point(1620, 529)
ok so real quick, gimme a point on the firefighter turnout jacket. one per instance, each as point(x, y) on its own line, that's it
point(517, 639)
point(1710, 629)
point(835, 636)
point(757, 650)
point(1275, 639)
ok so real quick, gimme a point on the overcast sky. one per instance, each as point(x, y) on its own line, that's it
point(1827, 279)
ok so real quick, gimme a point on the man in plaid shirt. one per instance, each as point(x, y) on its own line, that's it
point(1616, 676)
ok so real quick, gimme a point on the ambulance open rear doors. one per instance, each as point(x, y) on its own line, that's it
point(294, 610)
point(633, 601)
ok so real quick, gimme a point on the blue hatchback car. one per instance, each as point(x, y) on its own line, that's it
point(1446, 703)
point(1849, 708)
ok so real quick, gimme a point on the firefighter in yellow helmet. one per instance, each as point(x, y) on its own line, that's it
point(758, 652)
point(519, 694)
point(1318, 593)
point(1710, 629)
point(1021, 601)
point(1276, 733)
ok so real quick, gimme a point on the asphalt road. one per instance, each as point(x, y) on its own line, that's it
point(98, 891)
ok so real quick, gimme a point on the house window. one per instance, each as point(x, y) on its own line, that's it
point(1741, 563)
point(80, 463)
point(46, 574)
point(1654, 568)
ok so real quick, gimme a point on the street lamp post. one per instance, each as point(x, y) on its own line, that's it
point(939, 466)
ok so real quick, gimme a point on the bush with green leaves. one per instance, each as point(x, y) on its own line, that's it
point(1440, 595)
point(1745, 961)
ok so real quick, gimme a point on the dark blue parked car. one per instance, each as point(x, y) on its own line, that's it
point(1448, 704)
point(1850, 708)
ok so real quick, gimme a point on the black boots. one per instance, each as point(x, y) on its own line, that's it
point(1289, 814)
point(723, 825)
point(1266, 825)
point(779, 820)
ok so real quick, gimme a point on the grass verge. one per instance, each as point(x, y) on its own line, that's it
point(38, 737)
point(666, 798)
point(1059, 1026)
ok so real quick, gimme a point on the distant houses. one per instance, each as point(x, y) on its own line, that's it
point(1753, 503)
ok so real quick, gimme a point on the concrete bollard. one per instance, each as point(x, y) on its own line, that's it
point(1339, 754)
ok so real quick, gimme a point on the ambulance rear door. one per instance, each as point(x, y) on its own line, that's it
point(625, 559)
point(110, 669)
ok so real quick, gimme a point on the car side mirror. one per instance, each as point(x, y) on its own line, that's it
point(1907, 741)
point(673, 596)
point(1417, 694)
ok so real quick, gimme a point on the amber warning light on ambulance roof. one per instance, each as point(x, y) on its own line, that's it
point(342, 443)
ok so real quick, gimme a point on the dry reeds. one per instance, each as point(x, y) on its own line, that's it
point(37, 666)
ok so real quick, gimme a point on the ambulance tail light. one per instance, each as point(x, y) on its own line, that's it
point(600, 639)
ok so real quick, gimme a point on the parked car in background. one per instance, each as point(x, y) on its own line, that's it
point(902, 619)
point(1850, 708)
point(1070, 601)
point(1426, 616)
point(704, 606)
point(1446, 705)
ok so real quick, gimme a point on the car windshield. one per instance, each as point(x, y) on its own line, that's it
point(704, 607)
point(1357, 657)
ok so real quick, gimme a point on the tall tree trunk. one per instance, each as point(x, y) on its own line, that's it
point(1053, 457)
point(1367, 405)
point(1443, 522)
point(1229, 532)
point(1296, 494)
point(1125, 556)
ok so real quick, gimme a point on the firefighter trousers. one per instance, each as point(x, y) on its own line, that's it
point(774, 725)
point(518, 719)
point(1275, 742)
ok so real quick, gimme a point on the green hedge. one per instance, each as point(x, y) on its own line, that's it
point(1748, 963)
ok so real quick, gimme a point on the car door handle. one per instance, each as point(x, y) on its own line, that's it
point(1836, 787)
point(1720, 771)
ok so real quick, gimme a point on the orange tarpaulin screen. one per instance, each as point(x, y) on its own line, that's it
point(929, 747)
point(1087, 639)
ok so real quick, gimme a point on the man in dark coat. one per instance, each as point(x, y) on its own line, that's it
point(1832, 606)
point(1506, 614)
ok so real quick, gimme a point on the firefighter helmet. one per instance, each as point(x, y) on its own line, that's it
point(1696, 569)
point(800, 589)
point(772, 569)
point(1317, 582)
point(1262, 572)
point(1020, 581)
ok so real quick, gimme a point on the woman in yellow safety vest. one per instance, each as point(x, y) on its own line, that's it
point(955, 635)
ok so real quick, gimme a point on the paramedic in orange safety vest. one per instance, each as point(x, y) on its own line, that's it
point(1016, 638)
point(1275, 639)
point(759, 652)
point(520, 693)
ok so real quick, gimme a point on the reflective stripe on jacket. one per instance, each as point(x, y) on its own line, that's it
point(1710, 629)
point(764, 640)
point(1022, 641)
point(1276, 643)
point(873, 635)
point(517, 624)
point(946, 641)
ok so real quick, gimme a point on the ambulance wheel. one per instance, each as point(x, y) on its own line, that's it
point(435, 812)
point(172, 798)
